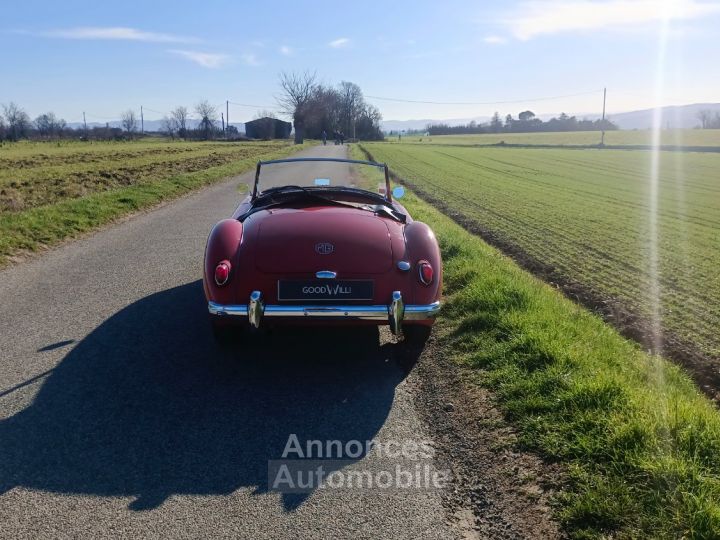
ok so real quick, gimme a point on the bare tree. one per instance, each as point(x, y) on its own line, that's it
point(495, 123)
point(298, 90)
point(180, 116)
point(715, 122)
point(48, 125)
point(129, 122)
point(208, 118)
point(168, 126)
point(351, 104)
point(264, 114)
point(705, 116)
point(18, 121)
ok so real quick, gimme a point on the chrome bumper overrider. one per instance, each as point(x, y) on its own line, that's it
point(393, 313)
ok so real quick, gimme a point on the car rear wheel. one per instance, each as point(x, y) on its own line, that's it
point(412, 345)
point(415, 335)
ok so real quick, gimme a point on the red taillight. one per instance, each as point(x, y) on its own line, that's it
point(222, 273)
point(425, 272)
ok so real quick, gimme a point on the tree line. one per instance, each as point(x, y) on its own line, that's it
point(316, 108)
point(526, 122)
point(708, 120)
point(16, 124)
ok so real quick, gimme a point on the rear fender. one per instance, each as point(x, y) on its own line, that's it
point(222, 244)
point(421, 244)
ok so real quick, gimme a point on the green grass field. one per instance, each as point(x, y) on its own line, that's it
point(678, 137)
point(51, 191)
point(586, 214)
point(639, 444)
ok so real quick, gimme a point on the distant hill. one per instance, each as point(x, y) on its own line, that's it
point(676, 116)
point(405, 125)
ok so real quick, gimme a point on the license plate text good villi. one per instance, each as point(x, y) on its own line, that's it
point(317, 290)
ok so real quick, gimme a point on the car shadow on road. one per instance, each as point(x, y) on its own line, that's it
point(147, 406)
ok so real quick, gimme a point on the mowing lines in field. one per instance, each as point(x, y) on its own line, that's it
point(591, 216)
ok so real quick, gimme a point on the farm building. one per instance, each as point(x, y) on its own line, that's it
point(268, 128)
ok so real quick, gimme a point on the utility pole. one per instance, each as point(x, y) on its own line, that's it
point(227, 113)
point(222, 119)
point(142, 122)
point(85, 124)
point(602, 138)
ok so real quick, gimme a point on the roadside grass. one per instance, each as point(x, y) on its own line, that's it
point(41, 226)
point(641, 445)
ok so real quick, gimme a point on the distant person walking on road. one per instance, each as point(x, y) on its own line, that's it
point(342, 138)
point(324, 136)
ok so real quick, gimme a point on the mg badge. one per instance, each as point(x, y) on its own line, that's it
point(324, 248)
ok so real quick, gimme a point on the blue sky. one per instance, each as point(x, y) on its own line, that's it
point(105, 57)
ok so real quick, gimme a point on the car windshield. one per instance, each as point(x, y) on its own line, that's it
point(323, 174)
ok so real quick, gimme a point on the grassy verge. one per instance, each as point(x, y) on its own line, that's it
point(41, 226)
point(640, 443)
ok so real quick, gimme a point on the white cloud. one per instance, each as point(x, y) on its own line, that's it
point(207, 60)
point(339, 43)
point(539, 17)
point(116, 33)
point(285, 50)
point(495, 40)
point(250, 59)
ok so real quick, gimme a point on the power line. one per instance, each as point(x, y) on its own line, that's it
point(153, 110)
point(399, 100)
point(253, 106)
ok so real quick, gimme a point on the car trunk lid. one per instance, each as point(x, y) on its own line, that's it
point(314, 239)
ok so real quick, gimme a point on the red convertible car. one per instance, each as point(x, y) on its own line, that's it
point(321, 241)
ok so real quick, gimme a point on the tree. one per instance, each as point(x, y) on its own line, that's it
point(128, 120)
point(18, 121)
point(296, 99)
point(264, 114)
point(168, 126)
point(509, 122)
point(715, 122)
point(526, 116)
point(180, 116)
point(705, 117)
point(496, 124)
point(351, 105)
point(48, 125)
point(368, 123)
point(208, 118)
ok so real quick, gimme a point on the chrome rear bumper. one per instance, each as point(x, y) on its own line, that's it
point(395, 313)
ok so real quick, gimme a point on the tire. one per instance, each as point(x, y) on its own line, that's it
point(412, 345)
point(415, 335)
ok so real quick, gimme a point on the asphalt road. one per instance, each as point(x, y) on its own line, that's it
point(120, 417)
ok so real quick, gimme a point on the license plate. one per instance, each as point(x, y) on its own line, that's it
point(325, 290)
